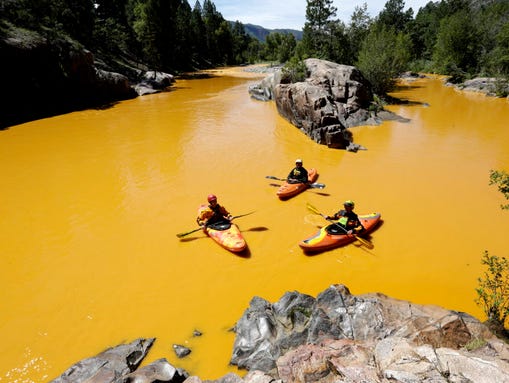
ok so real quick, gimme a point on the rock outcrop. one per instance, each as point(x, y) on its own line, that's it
point(331, 99)
point(45, 77)
point(490, 86)
point(266, 331)
point(335, 337)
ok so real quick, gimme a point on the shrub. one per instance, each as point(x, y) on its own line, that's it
point(294, 71)
point(501, 179)
point(493, 290)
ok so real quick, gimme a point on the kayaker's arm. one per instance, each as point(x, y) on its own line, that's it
point(226, 214)
point(334, 217)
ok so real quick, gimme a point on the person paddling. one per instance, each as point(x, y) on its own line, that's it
point(213, 213)
point(347, 219)
point(298, 174)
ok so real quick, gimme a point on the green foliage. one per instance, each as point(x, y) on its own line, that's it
point(501, 179)
point(111, 36)
point(457, 48)
point(279, 46)
point(475, 343)
point(294, 71)
point(493, 26)
point(501, 86)
point(461, 38)
point(320, 29)
point(338, 47)
point(357, 30)
point(393, 15)
point(383, 56)
point(493, 289)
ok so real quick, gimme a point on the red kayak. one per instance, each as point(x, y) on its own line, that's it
point(288, 190)
point(332, 236)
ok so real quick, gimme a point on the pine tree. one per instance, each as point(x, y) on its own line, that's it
point(317, 30)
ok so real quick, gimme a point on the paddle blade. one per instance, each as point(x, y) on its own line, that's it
point(313, 209)
point(243, 215)
point(317, 185)
point(180, 235)
point(365, 242)
point(275, 178)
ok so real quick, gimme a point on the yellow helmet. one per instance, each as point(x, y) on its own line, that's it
point(349, 203)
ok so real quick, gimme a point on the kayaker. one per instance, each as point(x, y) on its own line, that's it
point(213, 213)
point(298, 174)
point(347, 219)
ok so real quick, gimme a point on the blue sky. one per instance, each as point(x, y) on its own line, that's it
point(274, 14)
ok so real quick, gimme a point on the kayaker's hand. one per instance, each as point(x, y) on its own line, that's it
point(230, 217)
point(350, 232)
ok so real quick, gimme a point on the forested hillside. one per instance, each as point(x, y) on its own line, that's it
point(460, 38)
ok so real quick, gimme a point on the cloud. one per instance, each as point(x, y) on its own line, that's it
point(279, 14)
point(270, 14)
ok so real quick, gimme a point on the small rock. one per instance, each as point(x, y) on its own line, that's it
point(181, 351)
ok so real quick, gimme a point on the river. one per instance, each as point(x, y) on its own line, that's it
point(91, 203)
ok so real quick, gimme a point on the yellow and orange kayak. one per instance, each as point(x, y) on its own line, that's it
point(331, 236)
point(288, 190)
point(227, 235)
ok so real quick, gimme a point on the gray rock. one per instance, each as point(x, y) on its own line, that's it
point(153, 82)
point(181, 351)
point(342, 337)
point(109, 365)
point(331, 99)
point(157, 371)
point(489, 86)
point(335, 337)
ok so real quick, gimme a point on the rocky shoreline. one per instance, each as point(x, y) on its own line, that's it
point(335, 337)
point(46, 78)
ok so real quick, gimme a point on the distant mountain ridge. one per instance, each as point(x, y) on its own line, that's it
point(261, 33)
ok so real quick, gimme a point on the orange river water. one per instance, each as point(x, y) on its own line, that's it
point(91, 202)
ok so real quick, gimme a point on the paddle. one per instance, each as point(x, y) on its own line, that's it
point(180, 235)
point(314, 185)
point(365, 242)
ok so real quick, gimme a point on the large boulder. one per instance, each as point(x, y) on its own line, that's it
point(368, 337)
point(332, 98)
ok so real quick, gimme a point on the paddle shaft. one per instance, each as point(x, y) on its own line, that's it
point(180, 235)
point(314, 185)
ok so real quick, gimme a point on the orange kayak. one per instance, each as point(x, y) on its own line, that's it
point(288, 190)
point(331, 236)
point(227, 235)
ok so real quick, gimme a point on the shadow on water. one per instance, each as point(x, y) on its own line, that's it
point(195, 76)
point(244, 253)
point(258, 228)
point(320, 193)
point(401, 101)
point(399, 88)
point(189, 239)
